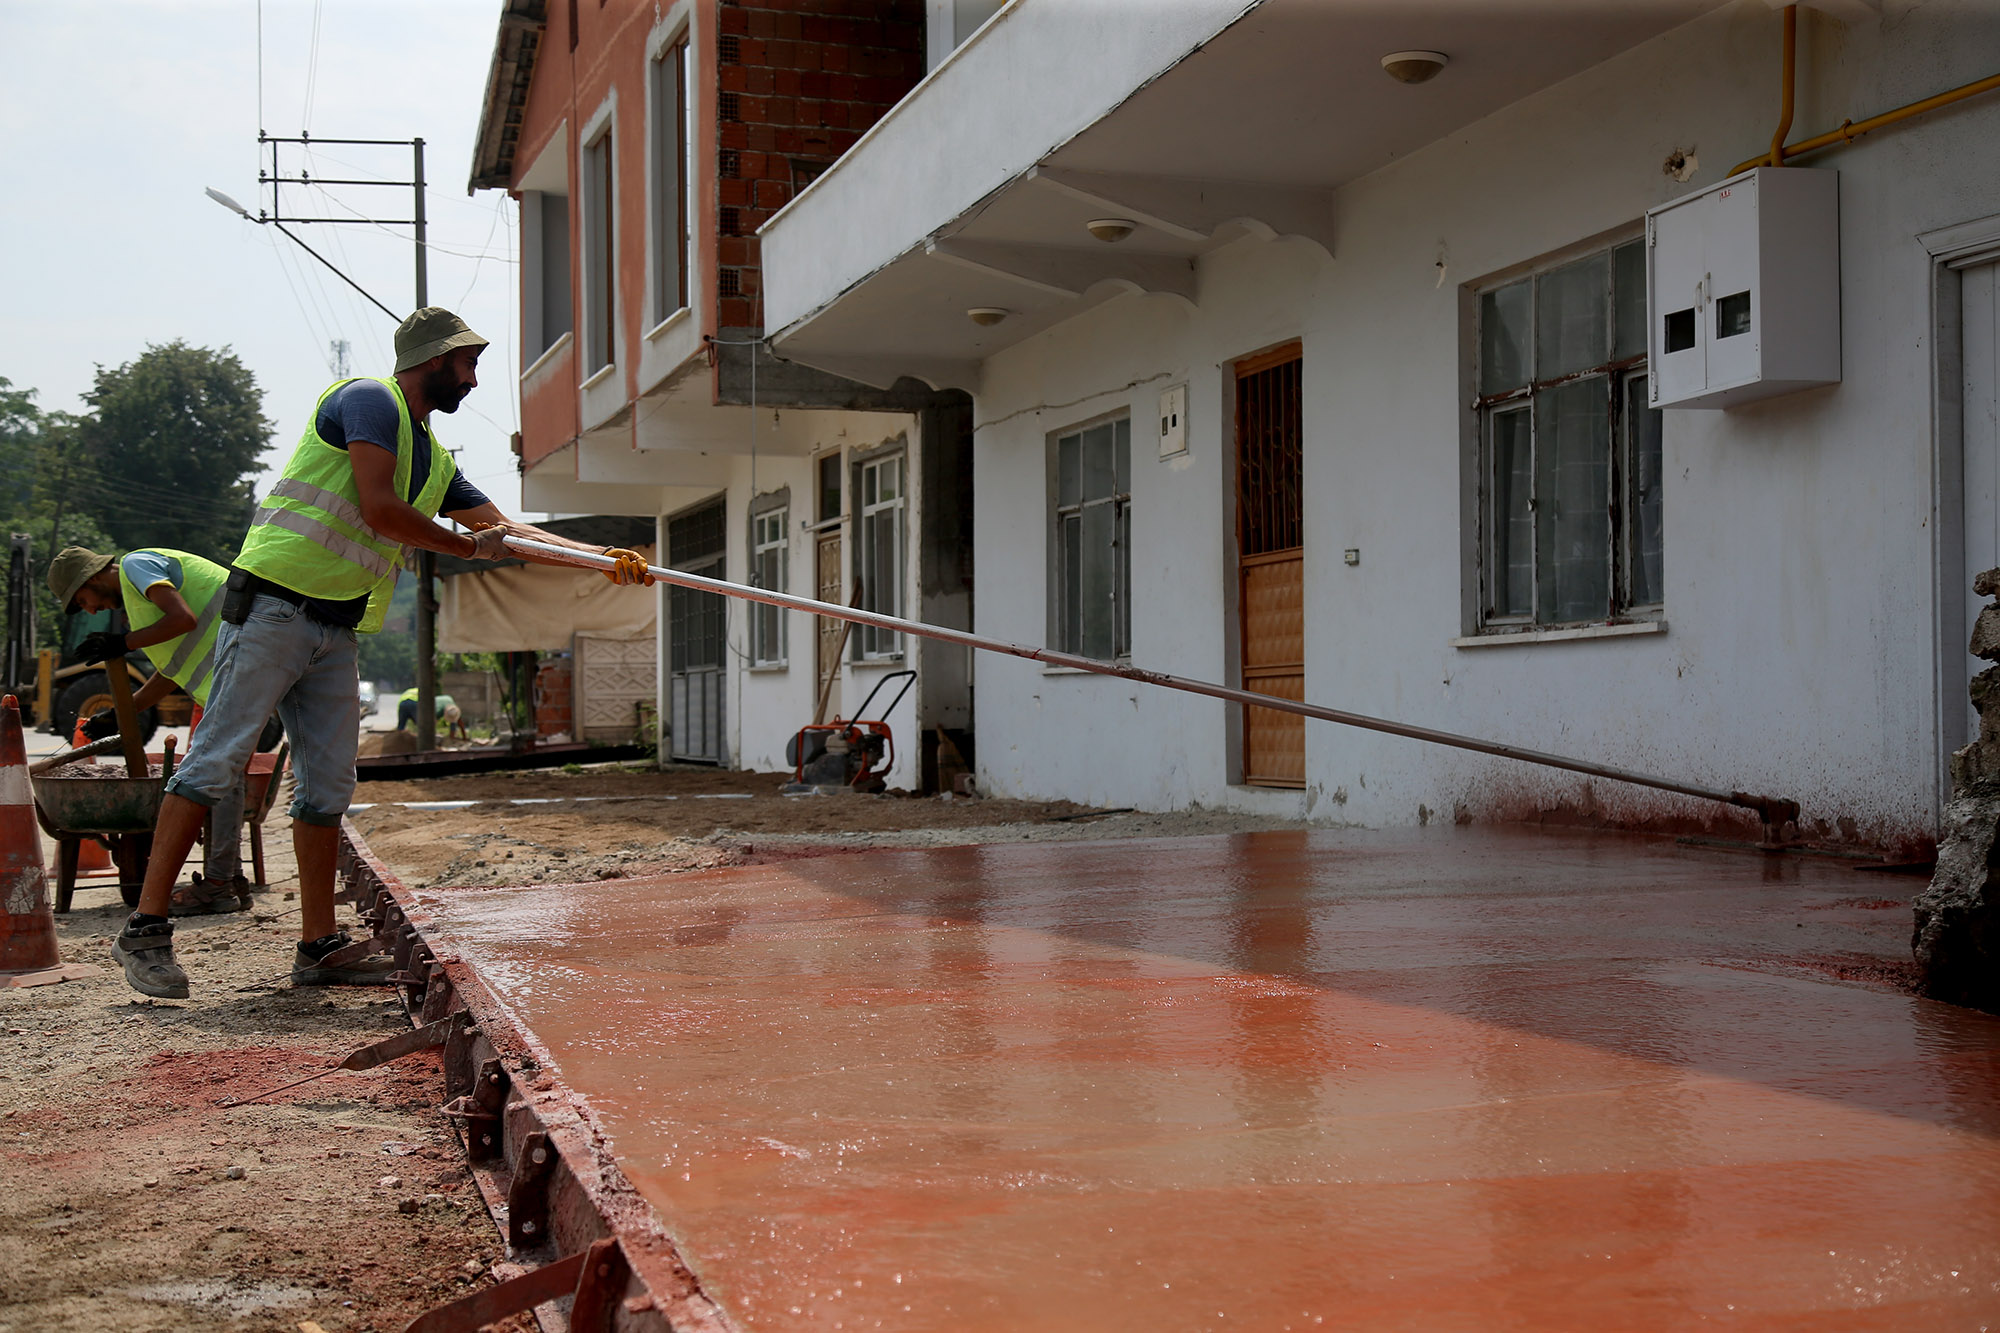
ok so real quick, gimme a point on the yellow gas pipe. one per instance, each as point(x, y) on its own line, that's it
point(1849, 130)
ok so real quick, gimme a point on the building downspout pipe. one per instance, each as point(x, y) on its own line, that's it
point(1849, 130)
point(1788, 84)
point(1773, 811)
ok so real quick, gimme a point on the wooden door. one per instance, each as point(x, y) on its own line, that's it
point(827, 633)
point(1270, 532)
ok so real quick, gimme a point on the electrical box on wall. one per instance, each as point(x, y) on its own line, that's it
point(1173, 421)
point(1743, 289)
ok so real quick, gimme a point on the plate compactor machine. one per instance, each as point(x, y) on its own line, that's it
point(842, 754)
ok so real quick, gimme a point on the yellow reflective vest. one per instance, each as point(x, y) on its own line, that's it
point(308, 534)
point(189, 660)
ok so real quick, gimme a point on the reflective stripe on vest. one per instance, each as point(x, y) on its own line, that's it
point(188, 659)
point(291, 488)
point(325, 537)
point(309, 534)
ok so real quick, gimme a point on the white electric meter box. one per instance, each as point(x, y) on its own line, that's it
point(1743, 289)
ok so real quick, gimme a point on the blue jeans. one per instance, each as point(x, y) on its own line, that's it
point(279, 659)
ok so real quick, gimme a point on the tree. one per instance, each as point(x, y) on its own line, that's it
point(20, 451)
point(169, 448)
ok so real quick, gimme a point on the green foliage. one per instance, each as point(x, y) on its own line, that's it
point(390, 657)
point(169, 447)
point(572, 769)
point(21, 425)
point(32, 500)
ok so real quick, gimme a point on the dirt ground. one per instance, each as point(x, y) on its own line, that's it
point(137, 1199)
point(612, 823)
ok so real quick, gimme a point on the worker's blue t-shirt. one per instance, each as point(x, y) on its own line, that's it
point(365, 410)
point(149, 569)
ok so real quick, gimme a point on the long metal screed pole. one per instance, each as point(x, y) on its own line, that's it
point(1772, 810)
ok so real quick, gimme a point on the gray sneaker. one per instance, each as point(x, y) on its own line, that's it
point(147, 955)
point(308, 970)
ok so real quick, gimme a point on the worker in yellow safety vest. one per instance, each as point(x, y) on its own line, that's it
point(173, 603)
point(364, 486)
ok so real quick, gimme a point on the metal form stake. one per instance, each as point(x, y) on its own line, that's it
point(1773, 811)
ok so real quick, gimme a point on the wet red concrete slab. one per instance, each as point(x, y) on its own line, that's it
point(1457, 1079)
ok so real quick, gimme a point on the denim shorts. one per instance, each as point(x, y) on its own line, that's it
point(279, 659)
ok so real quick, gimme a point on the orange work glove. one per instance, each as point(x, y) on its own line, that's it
point(631, 568)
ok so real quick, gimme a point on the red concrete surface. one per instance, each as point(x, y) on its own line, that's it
point(1456, 1079)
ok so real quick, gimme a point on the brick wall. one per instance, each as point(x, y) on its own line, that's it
point(798, 82)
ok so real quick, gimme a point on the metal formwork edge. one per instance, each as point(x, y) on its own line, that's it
point(543, 1165)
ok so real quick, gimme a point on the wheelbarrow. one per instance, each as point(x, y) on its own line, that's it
point(119, 810)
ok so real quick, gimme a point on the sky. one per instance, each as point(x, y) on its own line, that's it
point(114, 116)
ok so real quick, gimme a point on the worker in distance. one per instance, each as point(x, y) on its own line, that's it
point(364, 485)
point(173, 603)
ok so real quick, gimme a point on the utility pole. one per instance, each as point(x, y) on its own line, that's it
point(276, 216)
point(426, 561)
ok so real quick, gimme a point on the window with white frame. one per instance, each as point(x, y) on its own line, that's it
point(1091, 536)
point(671, 216)
point(600, 256)
point(1569, 453)
point(879, 536)
point(770, 551)
point(545, 244)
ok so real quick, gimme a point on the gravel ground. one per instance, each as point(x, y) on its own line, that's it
point(138, 1201)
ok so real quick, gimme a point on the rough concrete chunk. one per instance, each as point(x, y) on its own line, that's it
point(1987, 584)
point(1957, 935)
point(1986, 634)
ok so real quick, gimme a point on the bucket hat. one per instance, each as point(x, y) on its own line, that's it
point(430, 332)
point(73, 568)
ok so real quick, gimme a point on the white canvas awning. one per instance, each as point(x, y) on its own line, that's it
point(540, 607)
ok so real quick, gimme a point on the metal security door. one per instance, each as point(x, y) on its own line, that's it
point(696, 627)
point(1270, 526)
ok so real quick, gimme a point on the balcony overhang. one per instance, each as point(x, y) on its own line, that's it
point(1215, 120)
point(607, 476)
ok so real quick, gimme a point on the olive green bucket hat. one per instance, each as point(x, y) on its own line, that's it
point(430, 332)
point(72, 569)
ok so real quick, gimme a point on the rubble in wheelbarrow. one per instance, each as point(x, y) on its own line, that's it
point(86, 769)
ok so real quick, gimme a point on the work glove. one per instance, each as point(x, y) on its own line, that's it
point(490, 543)
point(102, 646)
point(631, 568)
point(102, 723)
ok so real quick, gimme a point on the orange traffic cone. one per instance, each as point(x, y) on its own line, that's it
point(27, 924)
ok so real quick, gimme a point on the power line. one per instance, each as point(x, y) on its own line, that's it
point(312, 70)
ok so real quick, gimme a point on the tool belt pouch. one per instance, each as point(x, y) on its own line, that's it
point(237, 596)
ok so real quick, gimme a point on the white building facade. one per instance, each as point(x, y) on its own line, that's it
point(1358, 405)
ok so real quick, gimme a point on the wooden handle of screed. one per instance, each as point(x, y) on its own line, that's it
point(115, 673)
point(1772, 810)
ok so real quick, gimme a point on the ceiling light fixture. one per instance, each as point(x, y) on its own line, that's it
point(1111, 230)
point(1414, 66)
point(987, 314)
